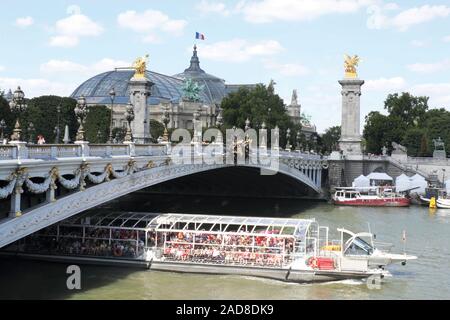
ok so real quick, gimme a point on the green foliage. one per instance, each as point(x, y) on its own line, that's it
point(410, 109)
point(258, 104)
point(118, 134)
point(329, 140)
point(6, 114)
point(156, 129)
point(42, 112)
point(413, 140)
point(97, 124)
point(408, 122)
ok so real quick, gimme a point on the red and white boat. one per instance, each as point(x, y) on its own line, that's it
point(370, 197)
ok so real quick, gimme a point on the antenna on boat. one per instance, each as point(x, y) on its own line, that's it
point(404, 241)
point(370, 231)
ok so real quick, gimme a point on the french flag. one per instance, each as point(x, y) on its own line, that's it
point(200, 36)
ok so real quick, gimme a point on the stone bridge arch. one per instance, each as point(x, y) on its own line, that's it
point(308, 173)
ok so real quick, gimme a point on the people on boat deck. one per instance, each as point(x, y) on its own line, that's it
point(264, 249)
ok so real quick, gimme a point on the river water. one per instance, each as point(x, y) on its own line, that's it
point(428, 237)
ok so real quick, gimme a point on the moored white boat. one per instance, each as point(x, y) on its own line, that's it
point(443, 203)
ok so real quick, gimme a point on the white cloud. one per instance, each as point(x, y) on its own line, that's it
point(385, 84)
point(297, 10)
point(239, 50)
point(439, 93)
point(64, 41)
point(405, 19)
point(2, 68)
point(207, 7)
point(24, 22)
point(430, 67)
point(37, 87)
point(287, 69)
point(446, 39)
point(58, 66)
point(149, 22)
point(70, 29)
point(418, 43)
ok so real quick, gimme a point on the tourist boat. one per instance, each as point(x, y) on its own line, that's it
point(286, 249)
point(373, 197)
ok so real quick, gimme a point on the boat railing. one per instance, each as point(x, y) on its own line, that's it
point(243, 258)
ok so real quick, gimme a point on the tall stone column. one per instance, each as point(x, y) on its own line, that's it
point(350, 142)
point(140, 89)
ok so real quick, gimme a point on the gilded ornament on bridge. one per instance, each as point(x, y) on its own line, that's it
point(350, 64)
point(140, 66)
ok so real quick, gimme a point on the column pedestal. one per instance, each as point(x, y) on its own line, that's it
point(350, 141)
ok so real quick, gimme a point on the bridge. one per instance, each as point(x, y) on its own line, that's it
point(67, 179)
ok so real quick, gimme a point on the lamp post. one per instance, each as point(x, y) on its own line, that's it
point(30, 132)
point(165, 119)
point(2, 128)
point(129, 115)
point(112, 95)
point(58, 118)
point(17, 105)
point(81, 113)
point(298, 138)
point(288, 137)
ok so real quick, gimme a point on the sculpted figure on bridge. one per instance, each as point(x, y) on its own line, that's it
point(140, 66)
point(350, 64)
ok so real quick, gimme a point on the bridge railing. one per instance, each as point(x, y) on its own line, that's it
point(56, 151)
point(8, 152)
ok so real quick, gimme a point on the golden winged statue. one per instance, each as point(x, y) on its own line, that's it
point(140, 66)
point(350, 64)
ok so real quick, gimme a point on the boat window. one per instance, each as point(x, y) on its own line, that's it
point(359, 247)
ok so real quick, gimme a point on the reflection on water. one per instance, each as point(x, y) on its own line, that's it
point(425, 278)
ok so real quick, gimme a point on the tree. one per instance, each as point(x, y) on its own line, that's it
point(42, 111)
point(8, 116)
point(97, 124)
point(437, 124)
point(410, 109)
point(330, 138)
point(259, 105)
point(405, 113)
point(374, 132)
point(156, 129)
point(412, 140)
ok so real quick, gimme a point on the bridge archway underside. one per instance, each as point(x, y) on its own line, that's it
point(132, 179)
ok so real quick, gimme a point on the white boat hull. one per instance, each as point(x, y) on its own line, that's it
point(443, 203)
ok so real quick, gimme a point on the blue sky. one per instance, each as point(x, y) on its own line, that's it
point(50, 47)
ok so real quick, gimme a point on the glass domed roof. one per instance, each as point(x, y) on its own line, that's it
point(96, 89)
point(214, 88)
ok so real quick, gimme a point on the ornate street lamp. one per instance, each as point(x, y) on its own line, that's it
point(288, 137)
point(247, 124)
point(129, 115)
point(31, 132)
point(112, 95)
point(81, 113)
point(17, 105)
point(2, 128)
point(165, 119)
point(298, 138)
point(219, 118)
point(58, 118)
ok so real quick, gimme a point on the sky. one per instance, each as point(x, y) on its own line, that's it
point(51, 47)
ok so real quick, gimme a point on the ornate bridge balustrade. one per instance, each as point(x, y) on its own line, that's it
point(95, 174)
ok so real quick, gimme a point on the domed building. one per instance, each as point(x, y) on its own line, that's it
point(166, 94)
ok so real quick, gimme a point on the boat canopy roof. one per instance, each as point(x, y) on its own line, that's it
point(252, 225)
point(191, 222)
